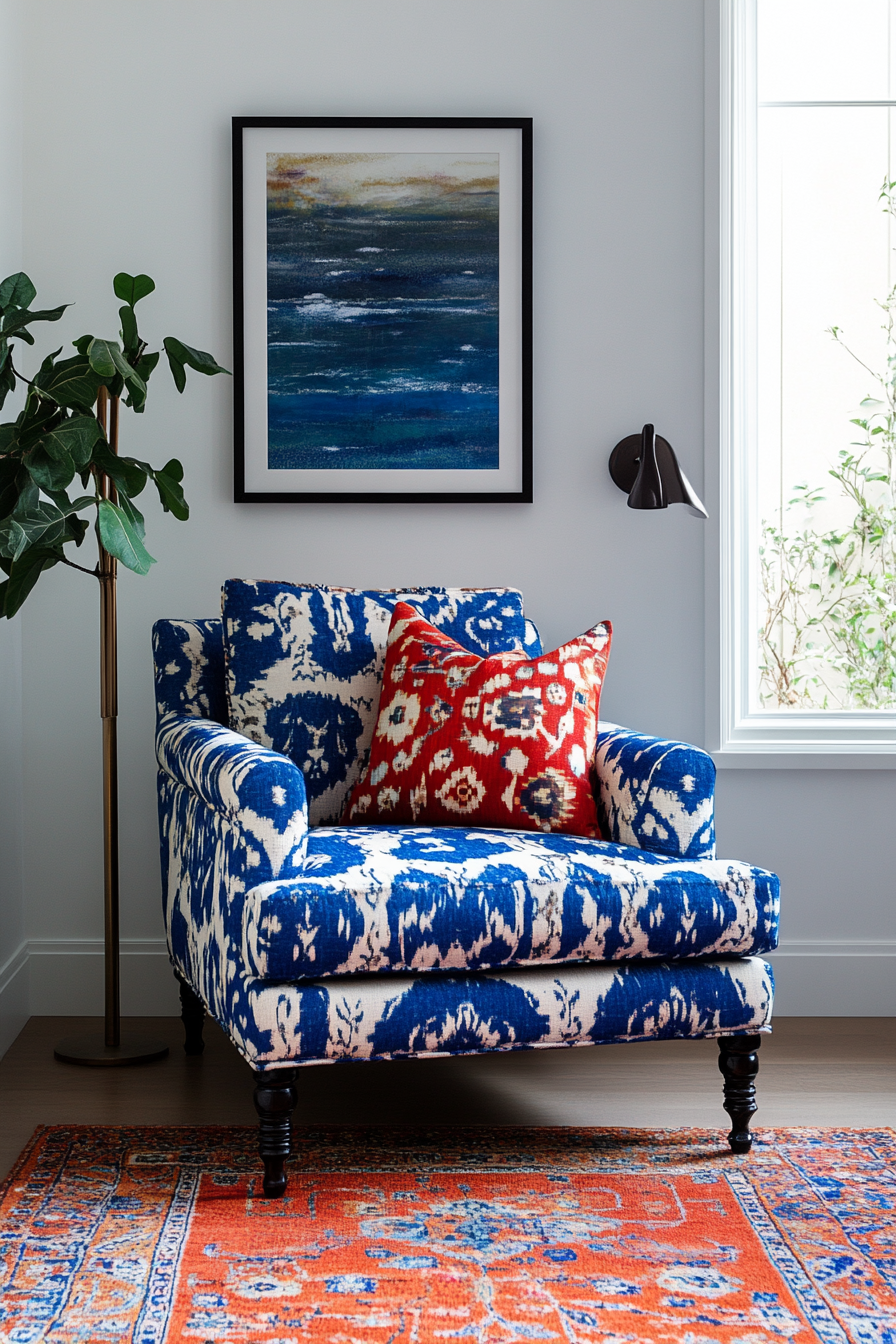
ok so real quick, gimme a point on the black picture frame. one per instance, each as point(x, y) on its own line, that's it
point(507, 413)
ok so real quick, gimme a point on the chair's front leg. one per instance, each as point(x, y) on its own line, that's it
point(192, 1014)
point(275, 1101)
point(739, 1064)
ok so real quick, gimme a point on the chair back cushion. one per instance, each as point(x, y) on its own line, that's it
point(305, 663)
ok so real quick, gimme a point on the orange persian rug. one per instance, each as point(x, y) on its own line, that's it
point(391, 1236)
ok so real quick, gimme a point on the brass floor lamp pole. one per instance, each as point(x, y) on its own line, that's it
point(89, 1048)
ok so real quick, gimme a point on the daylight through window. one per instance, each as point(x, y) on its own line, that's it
point(822, 538)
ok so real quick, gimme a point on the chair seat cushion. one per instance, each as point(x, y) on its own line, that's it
point(391, 898)
point(397, 1016)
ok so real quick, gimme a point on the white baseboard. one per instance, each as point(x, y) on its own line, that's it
point(13, 996)
point(823, 977)
point(65, 978)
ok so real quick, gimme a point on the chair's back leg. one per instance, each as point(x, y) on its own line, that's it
point(739, 1063)
point(275, 1101)
point(192, 1013)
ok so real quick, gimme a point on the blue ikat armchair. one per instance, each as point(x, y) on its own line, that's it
point(315, 943)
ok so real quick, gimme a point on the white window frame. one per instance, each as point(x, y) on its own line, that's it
point(738, 735)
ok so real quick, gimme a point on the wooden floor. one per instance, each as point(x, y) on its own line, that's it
point(814, 1071)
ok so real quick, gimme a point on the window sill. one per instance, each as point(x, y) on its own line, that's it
point(824, 756)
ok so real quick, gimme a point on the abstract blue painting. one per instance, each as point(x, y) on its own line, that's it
point(382, 272)
point(382, 310)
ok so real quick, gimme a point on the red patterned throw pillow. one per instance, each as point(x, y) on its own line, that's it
point(466, 741)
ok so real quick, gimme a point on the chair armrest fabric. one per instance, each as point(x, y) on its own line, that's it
point(654, 794)
point(188, 659)
point(257, 790)
point(231, 814)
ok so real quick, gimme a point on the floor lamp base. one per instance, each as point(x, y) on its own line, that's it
point(90, 1050)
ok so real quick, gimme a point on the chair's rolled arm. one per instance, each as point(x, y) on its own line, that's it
point(257, 790)
point(654, 794)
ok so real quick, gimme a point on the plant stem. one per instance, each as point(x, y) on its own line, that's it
point(94, 573)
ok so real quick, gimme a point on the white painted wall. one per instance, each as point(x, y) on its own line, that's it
point(127, 117)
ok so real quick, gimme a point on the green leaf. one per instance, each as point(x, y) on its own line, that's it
point(29, 494)
point(9, 440)
point(124, 471)
point(136, 393)
point(132, 288)
point(130, 337)
point(9, 488)
point(42, 523)
point(133, 514)
point(23, 575)
point(76, 528)
point(16, 291)
point(72, 383)
point(72, 506)
point(99, 356)
point(47, 364)
point(146, 363)
point(82, 344)
point(22, 317)
point(120, 538)
point(174, 470)
point(36, 419)
point(106, 358)
point(50, 472)
point(7, 382)
point(178, 373)
point(168, 485)
point(74, 438)
point(180, 355)
point(127, 371)
point(136, 397)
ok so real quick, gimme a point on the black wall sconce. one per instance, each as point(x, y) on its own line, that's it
point(646, 468)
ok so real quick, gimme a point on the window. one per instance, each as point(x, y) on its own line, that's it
point(807, 368)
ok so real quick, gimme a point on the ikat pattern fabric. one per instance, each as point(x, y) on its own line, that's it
point(229, 827)
point(395, 1017)
point(655, 794)
point(238, 861)
point(188, 658)
point(257, 795)
point(498, 741)
point(304, 667)
point(388, 899)
point(189, 667)
point(494, 1236)
point(241, 871)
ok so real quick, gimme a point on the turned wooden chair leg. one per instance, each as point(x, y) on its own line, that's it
point(192, 1013)
point(275, 1101)
point(739, 1064)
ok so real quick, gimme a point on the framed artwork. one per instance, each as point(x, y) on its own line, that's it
point(382, 308)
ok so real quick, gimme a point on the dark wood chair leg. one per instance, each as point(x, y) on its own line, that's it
point(739, 1064)
point(275, 1101)
point(192, 1013)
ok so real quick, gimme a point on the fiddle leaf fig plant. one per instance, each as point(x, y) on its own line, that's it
point(56, 462)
